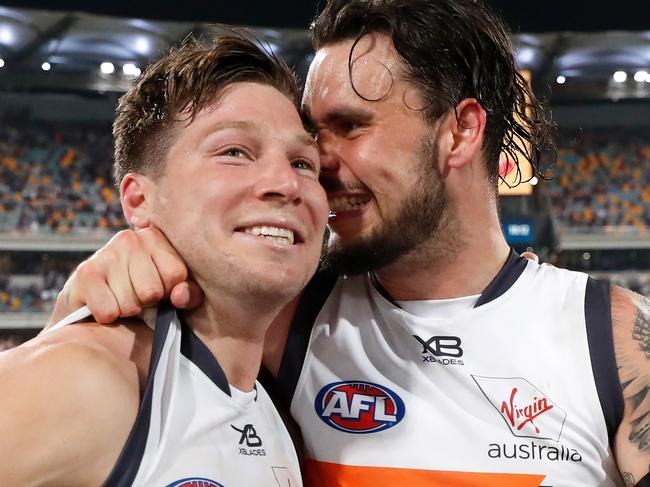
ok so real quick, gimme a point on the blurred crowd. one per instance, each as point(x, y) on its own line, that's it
point(38, 294)
point(56, 178)
point(602, 183)
point(30, 281)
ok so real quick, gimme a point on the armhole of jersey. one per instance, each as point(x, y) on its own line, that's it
point(128, 463)
point(311, 301)
point(598, 316)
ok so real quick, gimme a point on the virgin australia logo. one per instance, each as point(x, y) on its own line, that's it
point(527, 411)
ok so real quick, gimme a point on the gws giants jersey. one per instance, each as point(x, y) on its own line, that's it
point(503, 394)
point(190, 431)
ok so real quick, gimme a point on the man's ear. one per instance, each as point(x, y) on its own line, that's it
point(136, 193)
point(467, 127)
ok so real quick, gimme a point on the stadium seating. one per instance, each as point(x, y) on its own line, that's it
point(56, 179)
point(602, 183)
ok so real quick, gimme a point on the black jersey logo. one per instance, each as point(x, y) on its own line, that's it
point(441, 346)
point(248, 435)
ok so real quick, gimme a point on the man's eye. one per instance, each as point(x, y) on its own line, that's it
point(349, 128)
point(304, 164)
point(233, 152)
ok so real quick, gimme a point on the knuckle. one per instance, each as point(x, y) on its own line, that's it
point(151, 294)
point(126, 239)
point(176, 273)
point(106, 315)
point(84, 272)
point(130, 308)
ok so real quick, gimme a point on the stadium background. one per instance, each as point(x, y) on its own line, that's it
point(63, 67)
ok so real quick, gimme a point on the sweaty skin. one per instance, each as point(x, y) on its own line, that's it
point(243, 168)
point(363, 161)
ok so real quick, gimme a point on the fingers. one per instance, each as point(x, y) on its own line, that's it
point(170, 266)
point(135, 269)
point(531, 256)
point(186, 295)
point(142, 267)
point(88, 285)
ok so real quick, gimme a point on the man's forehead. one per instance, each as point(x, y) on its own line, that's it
point(371, 63)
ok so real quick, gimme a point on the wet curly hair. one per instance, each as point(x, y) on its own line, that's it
point(452, 50)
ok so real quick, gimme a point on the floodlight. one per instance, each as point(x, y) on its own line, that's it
point(131, 69)
point(641, 76)
point(107, 68)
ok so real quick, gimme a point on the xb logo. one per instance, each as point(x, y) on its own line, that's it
point(441, 346)
point(248, 435)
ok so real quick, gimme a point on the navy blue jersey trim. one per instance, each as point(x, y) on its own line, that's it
point(127, 466)
point(311, 301)
point(598, 317)
point(507, 276)
point(644, 482)
point(196, 352)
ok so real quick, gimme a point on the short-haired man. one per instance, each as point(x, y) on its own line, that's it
point(444, 359)
point(209, 148)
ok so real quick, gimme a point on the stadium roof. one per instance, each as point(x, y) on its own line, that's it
point(73, 44)
point(530, 16)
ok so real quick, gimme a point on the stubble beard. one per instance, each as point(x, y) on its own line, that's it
point(415, 230)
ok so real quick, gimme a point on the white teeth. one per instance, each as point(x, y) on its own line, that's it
point(348, 203)
point(278, 235)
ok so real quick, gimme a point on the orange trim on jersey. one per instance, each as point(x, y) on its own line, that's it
point(319, 474)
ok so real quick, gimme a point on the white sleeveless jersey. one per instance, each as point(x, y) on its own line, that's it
point(503, 394)
point(190, 431)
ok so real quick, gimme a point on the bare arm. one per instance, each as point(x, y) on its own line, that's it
point(631, 330)
point(134, 270)
point(60, 422)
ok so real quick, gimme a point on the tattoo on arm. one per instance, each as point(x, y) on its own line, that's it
point(637, 387)
point(641, 331)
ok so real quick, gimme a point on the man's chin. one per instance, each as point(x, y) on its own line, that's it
point(360, 255)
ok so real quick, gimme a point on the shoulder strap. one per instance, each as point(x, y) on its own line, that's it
point(128, 463)
point(311, 301)
point(598, 316)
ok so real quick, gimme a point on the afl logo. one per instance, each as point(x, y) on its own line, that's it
point(195, 482)
point(359, 407)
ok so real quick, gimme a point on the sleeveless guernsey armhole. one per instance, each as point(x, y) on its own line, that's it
point(598, 317)
point(128, 463)
point(312, 300)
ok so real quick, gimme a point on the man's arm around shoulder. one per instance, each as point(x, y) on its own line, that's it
point(631, 331)
point(66, 412)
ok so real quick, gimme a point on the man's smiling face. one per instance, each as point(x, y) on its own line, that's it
point(239, 197)
point(379, 161)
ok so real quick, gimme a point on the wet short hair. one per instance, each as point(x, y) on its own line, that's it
point(184, 81)
point(452, 50)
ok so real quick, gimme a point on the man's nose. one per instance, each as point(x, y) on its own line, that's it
point(279, 181)
point(329, 160)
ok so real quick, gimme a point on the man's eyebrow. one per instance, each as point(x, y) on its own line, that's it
point(232, 124)
point(302, 139)
point(347, 114)
point(306, 139)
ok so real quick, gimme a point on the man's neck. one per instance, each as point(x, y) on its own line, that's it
point(234, 332)
point(465, 271)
